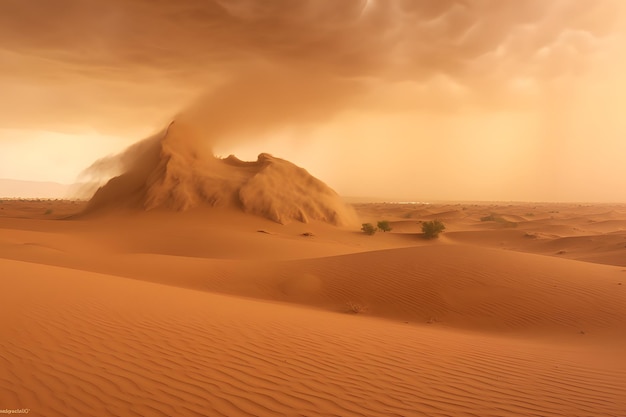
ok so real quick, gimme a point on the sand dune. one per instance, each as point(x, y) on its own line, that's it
point(217, 312)
point(173, 170)
point(89, 344)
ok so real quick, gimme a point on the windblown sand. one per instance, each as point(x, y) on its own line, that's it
point(177, 170)
point(214, 312)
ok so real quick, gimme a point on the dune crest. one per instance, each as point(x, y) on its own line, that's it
point(177, 171)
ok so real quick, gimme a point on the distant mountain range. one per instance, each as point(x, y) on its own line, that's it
point(10, 188)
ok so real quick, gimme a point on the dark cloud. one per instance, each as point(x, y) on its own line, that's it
point(124, 49)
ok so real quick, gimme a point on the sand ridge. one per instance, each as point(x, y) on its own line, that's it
point(171, 351)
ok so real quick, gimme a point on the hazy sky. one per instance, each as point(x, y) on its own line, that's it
point(411, 99)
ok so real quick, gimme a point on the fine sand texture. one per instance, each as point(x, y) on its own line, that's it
point(515, 310)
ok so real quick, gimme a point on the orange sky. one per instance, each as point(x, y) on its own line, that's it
point(409, 99)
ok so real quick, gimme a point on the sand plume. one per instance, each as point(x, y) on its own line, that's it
point(176, 170)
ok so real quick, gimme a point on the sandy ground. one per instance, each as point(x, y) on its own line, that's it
point(516, 310)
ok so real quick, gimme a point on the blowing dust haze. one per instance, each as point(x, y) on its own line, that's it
point(416, 100)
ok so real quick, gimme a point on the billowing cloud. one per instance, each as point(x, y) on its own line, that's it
point(246, 67)
point(60, 57)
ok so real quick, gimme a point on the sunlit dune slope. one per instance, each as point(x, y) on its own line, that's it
point(78, 343)
point(393, 275)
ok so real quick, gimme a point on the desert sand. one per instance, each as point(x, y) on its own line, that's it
point(216, 312)
point(178, 280)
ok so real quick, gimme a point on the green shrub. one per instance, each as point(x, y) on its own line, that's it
point(383, 225)
point(368, 228)
point(432, 229)
point(494, 218)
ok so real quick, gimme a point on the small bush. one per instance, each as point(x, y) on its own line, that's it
point(47, 212)
point(383, 225)
point(368, 228)
point(432, 229)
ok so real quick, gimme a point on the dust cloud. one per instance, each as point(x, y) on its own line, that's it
point(511, 96)
point(172, 170)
